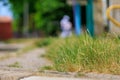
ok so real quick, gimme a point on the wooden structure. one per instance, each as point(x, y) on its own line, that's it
point(5, 28)
point(78, 6)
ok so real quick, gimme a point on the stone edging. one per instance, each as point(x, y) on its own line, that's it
point(80, 74)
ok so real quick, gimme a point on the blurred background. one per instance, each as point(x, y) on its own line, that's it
point(34, 18)
point(41, 18)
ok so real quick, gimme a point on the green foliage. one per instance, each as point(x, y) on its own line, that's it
point(86, 54)
point(44, 42)
point(46, 16)
point(46, 68)
point(47, 13)
point(16, 65)
point(18, 6)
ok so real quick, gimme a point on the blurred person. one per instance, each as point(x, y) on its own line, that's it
point(66, 26)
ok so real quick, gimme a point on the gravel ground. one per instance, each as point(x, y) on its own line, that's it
point(28, 61)
point(31, 61)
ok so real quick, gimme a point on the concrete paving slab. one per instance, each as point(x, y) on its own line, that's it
point(13, 75)
point(52, 78)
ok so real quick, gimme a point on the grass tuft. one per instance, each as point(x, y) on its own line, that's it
point(46, 68)
point(44, 42)
point(16, 65)
point(86, 54)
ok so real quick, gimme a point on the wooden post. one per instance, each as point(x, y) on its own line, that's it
point(90, 21)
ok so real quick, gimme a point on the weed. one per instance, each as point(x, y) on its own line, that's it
point(16, 65)
point(86, 54)
point(46, 68)
point(44, 42)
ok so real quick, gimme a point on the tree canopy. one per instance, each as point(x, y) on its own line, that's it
point(45, 13)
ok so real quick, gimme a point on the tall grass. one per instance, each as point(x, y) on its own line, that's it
point(86, 54)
